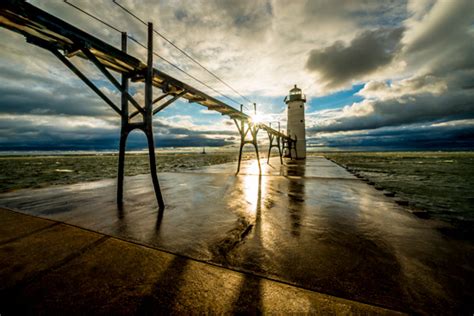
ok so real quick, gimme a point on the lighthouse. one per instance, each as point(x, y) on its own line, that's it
point(296, 122)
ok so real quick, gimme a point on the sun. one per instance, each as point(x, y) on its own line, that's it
point(257, 118)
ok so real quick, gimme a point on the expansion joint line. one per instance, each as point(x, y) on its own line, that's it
point(74, 255)
point(33, 232)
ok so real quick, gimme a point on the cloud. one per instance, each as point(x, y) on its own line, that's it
point(435, 85)
point(439, 37)
point(414, 58)
point(442, 23)
point(427, 84)
point(259, 47)
point(57, 99)
point(339, 63)
point(396, 111)
point(454, 135)
point(68, 132)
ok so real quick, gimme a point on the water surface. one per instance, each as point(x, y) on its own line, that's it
point(21, 172)
point(438, 185)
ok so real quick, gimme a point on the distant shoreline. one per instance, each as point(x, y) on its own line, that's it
point(211, 150)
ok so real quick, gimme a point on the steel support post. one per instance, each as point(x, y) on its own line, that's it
point(271, 138)
point(123, 130)
point(147, 112)
point(243, 131)
point(146, 125)
point(148, 118)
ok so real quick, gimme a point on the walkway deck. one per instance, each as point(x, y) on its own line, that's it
point(270, 243)
point(53, 268)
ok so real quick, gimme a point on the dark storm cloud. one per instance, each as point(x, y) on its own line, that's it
point(191, 141)
point(179, 131)
point(443, 26)
point(138, 141)
point(164, 128)
point(62, 132)
point(264, 44)
point(340, 63)
point(438, 50)
point(28, 79)
point(456, 136)
point(442, 40)
point(109, 142)
point(416, 100)
point(404, 110)
point(58, 100)
point(22, 91)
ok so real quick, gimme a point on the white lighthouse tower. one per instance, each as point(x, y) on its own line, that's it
point(296, 122)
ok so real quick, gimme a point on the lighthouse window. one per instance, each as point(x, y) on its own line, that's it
point(301, 106)
point(301, 121)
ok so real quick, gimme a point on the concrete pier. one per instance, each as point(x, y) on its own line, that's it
point(303, 237)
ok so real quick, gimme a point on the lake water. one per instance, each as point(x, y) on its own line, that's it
point(19, 172)
point(438, 185)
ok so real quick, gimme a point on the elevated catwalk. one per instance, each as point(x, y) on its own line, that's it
point(67, 42)
point(308, 223)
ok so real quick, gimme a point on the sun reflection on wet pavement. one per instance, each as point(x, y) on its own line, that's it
point(253, 188)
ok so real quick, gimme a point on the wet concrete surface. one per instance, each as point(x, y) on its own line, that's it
point(65, 270)
point(308, 223)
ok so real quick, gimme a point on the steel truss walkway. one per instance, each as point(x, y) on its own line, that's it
point(66, 41)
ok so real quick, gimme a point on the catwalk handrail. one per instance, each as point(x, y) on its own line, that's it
point(43, 29)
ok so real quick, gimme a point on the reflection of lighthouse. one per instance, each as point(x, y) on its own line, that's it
point(296, 122)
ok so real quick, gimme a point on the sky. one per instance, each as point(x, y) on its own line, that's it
point(378, 75)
